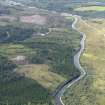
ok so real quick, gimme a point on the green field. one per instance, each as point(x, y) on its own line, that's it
point(91, 8)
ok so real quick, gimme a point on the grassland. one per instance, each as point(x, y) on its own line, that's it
point(41, 74)
point(91, 90)
point(91, 8)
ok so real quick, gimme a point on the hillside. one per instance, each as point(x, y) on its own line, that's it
point(41, 44)
point(37, 48)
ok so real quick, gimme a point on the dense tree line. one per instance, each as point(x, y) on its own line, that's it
point(6, 68)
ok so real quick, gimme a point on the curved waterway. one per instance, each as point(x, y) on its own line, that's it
point(68, 84)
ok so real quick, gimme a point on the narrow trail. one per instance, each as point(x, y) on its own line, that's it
point(58, 97)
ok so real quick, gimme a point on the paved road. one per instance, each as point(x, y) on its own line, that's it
point(77, 64)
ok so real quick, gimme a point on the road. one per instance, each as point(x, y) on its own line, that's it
point(58, 97)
